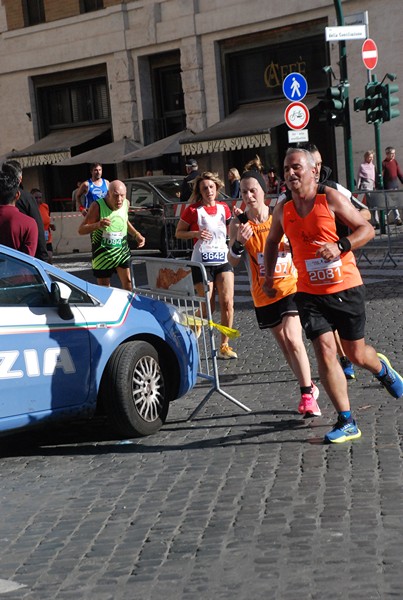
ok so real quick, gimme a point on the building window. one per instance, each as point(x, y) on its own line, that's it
point(170, 116)
point(34, 12)
point(90, 5)
point(77, 103)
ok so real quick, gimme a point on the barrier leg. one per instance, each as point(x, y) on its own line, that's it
point(218, 389)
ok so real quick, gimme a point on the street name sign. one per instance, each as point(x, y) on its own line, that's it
point(346, 32)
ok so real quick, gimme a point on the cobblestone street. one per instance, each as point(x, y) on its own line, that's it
point(232, 505)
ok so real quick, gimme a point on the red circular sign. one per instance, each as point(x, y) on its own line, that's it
point(370, 54)
point(296, 115)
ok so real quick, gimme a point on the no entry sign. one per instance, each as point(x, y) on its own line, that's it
point(370, 54)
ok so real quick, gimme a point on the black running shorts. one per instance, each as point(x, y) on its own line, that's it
point(344, 311)
point(105, 273)
point(271, 315)
point(211, 272)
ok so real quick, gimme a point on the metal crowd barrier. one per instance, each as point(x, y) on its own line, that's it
point(175, 247)
point(171, 280)
point(383, 203)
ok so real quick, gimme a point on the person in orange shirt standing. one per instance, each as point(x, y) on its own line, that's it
point(330, 292)
point(248, 233)
point(45, 216)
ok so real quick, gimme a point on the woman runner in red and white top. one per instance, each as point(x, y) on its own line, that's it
point(206, 220)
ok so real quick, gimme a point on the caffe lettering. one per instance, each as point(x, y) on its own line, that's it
point(274, 74)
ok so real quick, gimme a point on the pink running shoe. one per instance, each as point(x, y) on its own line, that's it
point(308, 405)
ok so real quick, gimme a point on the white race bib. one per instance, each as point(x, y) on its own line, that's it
point(283, 265)
point(213, 254)
point(111, 239)
point(322, 272)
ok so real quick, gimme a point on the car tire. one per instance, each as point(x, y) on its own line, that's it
point(134, 391)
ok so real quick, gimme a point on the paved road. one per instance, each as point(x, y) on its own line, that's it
point(233, 505)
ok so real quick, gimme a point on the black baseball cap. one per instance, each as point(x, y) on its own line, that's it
point(191, 163)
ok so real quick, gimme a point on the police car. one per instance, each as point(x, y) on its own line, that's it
point(69, 348)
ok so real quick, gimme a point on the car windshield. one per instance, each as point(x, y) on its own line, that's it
point(170, 189)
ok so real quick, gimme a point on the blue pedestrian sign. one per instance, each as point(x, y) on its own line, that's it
point(295, 87)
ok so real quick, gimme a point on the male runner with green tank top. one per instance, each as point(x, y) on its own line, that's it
point(108, 224)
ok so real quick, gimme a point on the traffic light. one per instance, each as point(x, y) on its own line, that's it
point(374, 101)
point(333, 104)
point(378, 102)
point(389, 101)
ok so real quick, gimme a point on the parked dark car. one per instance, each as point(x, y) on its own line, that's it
point(155, 210)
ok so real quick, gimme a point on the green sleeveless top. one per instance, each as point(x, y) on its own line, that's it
point(109, 246)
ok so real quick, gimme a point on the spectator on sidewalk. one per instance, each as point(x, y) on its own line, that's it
point(234, 183)
point(17, 230)
point(366, 179)
point(48, 226)
point(77, 202)
point(391, 175)
point(187, 184)
point(27, 205)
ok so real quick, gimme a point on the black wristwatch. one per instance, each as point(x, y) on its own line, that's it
point(340, 247)
point(343, 244)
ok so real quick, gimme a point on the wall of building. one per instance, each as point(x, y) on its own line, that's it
point(132, 31)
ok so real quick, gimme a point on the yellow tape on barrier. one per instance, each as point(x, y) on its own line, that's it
point(199, 322)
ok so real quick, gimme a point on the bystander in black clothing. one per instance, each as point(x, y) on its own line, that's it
point(27, 205)
point(187, 183)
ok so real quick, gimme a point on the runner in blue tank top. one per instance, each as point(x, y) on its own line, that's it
point(93, 188)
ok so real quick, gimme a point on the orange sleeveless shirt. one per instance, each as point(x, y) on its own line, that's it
point(316, 276)
point(285, 276)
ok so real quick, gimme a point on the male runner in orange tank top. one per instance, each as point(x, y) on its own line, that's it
point(279, 314)
point(330, 292)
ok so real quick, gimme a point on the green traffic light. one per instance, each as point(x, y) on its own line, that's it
point(390, 101)
point(333, 104)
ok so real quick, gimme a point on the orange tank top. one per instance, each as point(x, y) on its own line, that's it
point(285, 275)
point(306, 234)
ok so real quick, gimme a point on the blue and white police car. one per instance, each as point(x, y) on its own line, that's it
point(69, 348)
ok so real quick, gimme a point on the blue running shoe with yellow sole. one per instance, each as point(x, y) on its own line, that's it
point(391, 380)
point(348, 368)
point(343, 431)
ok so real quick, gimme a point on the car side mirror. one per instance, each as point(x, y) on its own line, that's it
point(60, 293)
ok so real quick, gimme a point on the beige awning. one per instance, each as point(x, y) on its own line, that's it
point(56, 146)
point(168, 145)
point(108, 154)
point(247, 127)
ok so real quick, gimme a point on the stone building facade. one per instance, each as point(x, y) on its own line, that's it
point(81, 73)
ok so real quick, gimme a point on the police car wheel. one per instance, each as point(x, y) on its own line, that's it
point(134, 391)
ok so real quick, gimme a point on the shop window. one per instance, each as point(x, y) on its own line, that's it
point(90, 5)
point(34, 12)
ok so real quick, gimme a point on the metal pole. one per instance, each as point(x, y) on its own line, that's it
point(378, 150)
point(383, 216)
point(348, 146)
